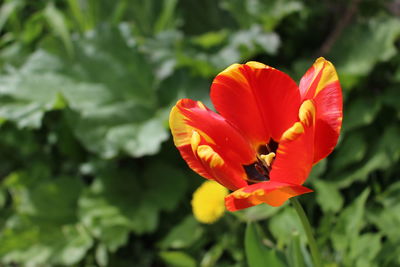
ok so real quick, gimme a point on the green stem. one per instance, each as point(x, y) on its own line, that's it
point(307, 228)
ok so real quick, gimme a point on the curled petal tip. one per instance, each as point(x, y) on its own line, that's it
point(272, 193)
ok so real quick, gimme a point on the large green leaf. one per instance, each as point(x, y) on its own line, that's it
point(177, 259)
point(58, 23)
point(387, 215)
point(382, 155)
point(111, 95)
point(257, 213)
point(7, 9)
point(350, 151)
point(296, 255)
point(328, 196)
point(350, 223)
point(120, 202)
point(257, 254)
point(183, 235)
point(239, 45)
point(267, 13)
point(365, 249)
point(284, 224)
point(108, 209)
point(44, 226)
point(363, 45)
point(26, 241)
point(360, 112)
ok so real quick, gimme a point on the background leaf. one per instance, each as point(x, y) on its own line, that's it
point(256, 253)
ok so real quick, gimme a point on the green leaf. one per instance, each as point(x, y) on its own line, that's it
point(212, 256)
point(378, 161)
point(58, 23)
point(389, 254)
point(165, 185)
point(30, 242)
point(7, 9)
point(239, 45)
point(257, 254)
point(257, 213)
point(267, 13)
point(106, 209)
point(350, 223)
point(177, 259)
point(167, 18)
point(318, 169)
point(350, 151)
point(363, 45)
point(2, 198)
point(74, 6)
point(360, 112)
point(118, 202)
point(44, 199)
point(294, 252)
point(101, 255)
point(18, 103)
point(389, 144)
point(43, 227)
point(211, 39)
point(183, 235)
point(141, 139)
point(328, 196)
point(390, 95)
point(382, 155)
point(365, 249)
point(111, 97)
point(284, 224)
point(387, 215)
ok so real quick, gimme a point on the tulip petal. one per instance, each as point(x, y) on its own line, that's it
point(295, 154)
point(270, 192)
point(227, 173)
point(260, 101)
point(321, 84)
point(209, 144)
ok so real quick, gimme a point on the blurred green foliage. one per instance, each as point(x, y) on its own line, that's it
point(89, 174)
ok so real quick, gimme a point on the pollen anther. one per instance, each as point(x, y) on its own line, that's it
point(268, 159)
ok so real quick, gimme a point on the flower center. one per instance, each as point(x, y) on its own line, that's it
point(260, 169)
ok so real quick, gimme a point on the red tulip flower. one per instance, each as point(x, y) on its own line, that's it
point(267, 134)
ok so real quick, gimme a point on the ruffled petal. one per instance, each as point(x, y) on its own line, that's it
point(225, 172)
point(321, 84)
point(295, 154)
point(270, 192)
point(209, 144)
point(260, 101)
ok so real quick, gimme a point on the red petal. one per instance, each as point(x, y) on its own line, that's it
point(321, 84)
point(194, 163)
point(270, 192)
point(223, 151)
point(261, 101)
point(294, 157)
point(225, 172)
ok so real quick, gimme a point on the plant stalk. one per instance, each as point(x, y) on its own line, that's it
point(316, 256)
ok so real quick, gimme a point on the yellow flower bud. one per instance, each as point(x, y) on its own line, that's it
point(208, 202)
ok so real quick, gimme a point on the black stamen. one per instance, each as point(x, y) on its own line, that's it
point(258, 171)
